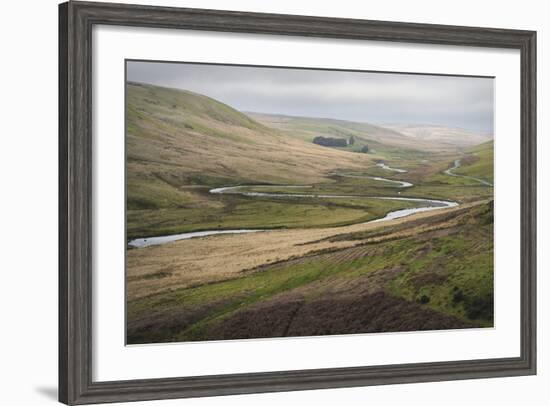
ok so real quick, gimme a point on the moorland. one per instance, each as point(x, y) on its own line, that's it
point(390, 230)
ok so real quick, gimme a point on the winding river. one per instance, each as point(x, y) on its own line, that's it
point(456, 165)
point(389, 168)
point(430, 204)
point(399, 183)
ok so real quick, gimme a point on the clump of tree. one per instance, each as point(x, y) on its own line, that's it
point(330, 142)
point(351, 140)
point(365, 149)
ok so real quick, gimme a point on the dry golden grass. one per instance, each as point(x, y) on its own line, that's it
point(168, 134)
point(202, 260)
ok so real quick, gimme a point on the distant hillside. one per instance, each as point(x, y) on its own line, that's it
point(424, 138)
point(445, 137)
point(176, 138)
point(478, 162)
point(308, 128)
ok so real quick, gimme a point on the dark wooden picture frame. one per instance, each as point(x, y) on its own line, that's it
point(76, 20)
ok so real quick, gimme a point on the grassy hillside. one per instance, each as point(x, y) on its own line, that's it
point(389, 140)
point(478, 162)
point(381, 141)
point(180, 144)
point(442, 137)
point(308, 127)
point(174, 135)
point(476, 166)
point(319, 266)
point(431, 273)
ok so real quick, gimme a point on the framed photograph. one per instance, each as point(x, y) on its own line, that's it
point(257, 202)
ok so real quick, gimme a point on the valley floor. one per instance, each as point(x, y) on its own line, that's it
point(429, 271)
point(321, 263)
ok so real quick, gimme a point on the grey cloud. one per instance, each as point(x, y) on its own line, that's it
point(464, 102)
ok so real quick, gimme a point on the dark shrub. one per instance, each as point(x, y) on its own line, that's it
point(424, 299)
point(458, 295)
point(479, 307)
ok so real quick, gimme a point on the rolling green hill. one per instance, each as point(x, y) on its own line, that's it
point(388, 140)
point(378, 139)
point(177, 138)
point(309, 127)
point(180, 144)
point(435, 273)
point(441, 136)
point(319, 265)
point(478, 162)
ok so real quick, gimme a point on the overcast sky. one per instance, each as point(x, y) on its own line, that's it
point(451, 101)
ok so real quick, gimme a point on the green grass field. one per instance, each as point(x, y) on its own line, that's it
point(448, 271)
point(420, 273)
point(480, 163)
